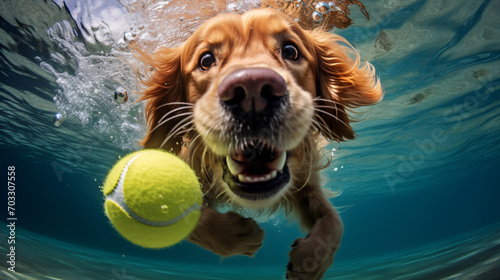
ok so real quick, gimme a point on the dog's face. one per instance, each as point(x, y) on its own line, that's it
point(253, 88)
point(261, 86)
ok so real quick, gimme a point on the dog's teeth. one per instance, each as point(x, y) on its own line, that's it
point(234, 167)
point(256, 179)
point(247, 179)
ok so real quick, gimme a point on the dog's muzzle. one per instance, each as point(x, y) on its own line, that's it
point(255, 98)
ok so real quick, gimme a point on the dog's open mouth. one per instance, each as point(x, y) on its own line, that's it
point(257, 171)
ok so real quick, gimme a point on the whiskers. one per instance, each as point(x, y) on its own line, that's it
point(180, 119)
point(176, 122)
point(305, 164)
point(322, 108)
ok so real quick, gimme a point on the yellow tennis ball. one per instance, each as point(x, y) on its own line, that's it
point(153, 198)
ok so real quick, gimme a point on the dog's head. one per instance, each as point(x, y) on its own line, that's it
point(253, 91)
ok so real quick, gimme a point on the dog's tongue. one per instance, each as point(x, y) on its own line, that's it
point(256, 166)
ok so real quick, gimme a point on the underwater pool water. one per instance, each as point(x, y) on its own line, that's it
point(420, 189)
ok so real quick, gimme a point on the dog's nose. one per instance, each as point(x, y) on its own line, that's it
point(252, 90)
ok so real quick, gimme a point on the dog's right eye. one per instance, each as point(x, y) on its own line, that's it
point(290, 52)
point(206, 61)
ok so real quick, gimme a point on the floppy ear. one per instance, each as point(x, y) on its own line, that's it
point(342, 84)
point(164, 92)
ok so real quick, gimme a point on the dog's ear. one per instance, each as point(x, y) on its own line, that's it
point(165, 96)
point(342, 83)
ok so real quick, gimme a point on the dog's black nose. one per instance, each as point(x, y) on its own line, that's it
point(251, 92)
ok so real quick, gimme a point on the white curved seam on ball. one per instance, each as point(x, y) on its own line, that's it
point(118, 197)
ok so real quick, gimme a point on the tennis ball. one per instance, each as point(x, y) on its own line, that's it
point(153, 198)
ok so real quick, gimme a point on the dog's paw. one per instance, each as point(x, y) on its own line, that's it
point(227, 234)
point(243, 236)
point(310, 257)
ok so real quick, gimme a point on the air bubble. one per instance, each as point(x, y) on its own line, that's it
point(317, 17)
point(334, 7)
point(332, 153)
point(58, 119)
point(164, 209)
point(121, 95)
point(322, 7)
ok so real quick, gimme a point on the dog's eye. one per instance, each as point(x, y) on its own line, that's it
point(206, 61)
point(290, 52)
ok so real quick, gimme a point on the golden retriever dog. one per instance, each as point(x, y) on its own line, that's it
point(248, 101)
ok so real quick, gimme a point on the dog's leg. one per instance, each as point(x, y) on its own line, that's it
point(227, 234)
point(312, 255)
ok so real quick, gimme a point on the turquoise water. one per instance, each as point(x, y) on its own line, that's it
point(420, 189)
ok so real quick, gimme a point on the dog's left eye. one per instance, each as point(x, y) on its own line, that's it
point(206, 61)
point(290, 52)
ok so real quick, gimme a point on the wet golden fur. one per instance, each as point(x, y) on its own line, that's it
point(183, 107)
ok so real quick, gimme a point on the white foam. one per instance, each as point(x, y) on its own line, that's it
point(104, 21)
